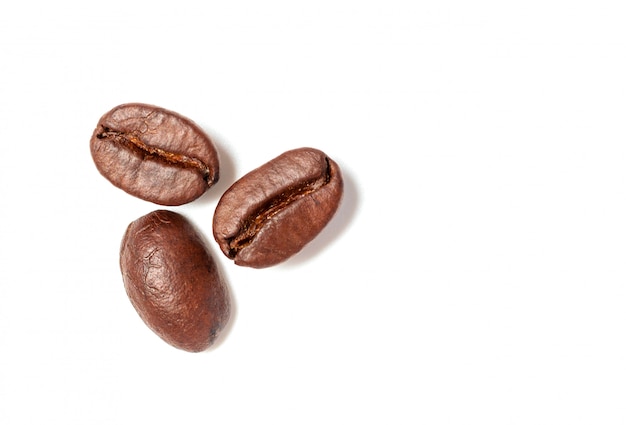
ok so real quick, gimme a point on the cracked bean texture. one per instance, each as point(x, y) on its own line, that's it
point(154, 154)
point(272, 212)
point(172, 281)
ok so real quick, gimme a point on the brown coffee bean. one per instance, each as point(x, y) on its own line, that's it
point(272, 212)
point(173, 282)
point(154, 154)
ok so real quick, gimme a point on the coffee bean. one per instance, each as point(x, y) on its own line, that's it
point(272, 212)
point(154, 154)
point(173, 282)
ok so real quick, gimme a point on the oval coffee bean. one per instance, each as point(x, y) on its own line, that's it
point(173, 282)
point(272, 212)
point(154, 154)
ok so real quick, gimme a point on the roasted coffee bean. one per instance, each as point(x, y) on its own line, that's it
point(272, 212)
point(154, 154)
point(173, 282)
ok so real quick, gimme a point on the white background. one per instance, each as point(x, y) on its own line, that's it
point(475, 273)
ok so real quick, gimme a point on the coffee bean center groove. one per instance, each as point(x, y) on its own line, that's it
point(134, 143)
point(273, 206)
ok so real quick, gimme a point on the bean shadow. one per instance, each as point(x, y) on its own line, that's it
point(333, 230)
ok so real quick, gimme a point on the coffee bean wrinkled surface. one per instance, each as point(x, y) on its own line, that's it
point(154, 154)
point(272, 212)
point(173, 282)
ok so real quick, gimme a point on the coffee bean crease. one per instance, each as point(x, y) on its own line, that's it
point(134, 143)
point(275, 205)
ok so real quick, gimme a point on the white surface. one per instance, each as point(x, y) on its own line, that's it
point(476, 272)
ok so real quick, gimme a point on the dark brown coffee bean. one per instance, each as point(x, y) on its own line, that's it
point(154, 154)
point(272, 212)
point(173, 282)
